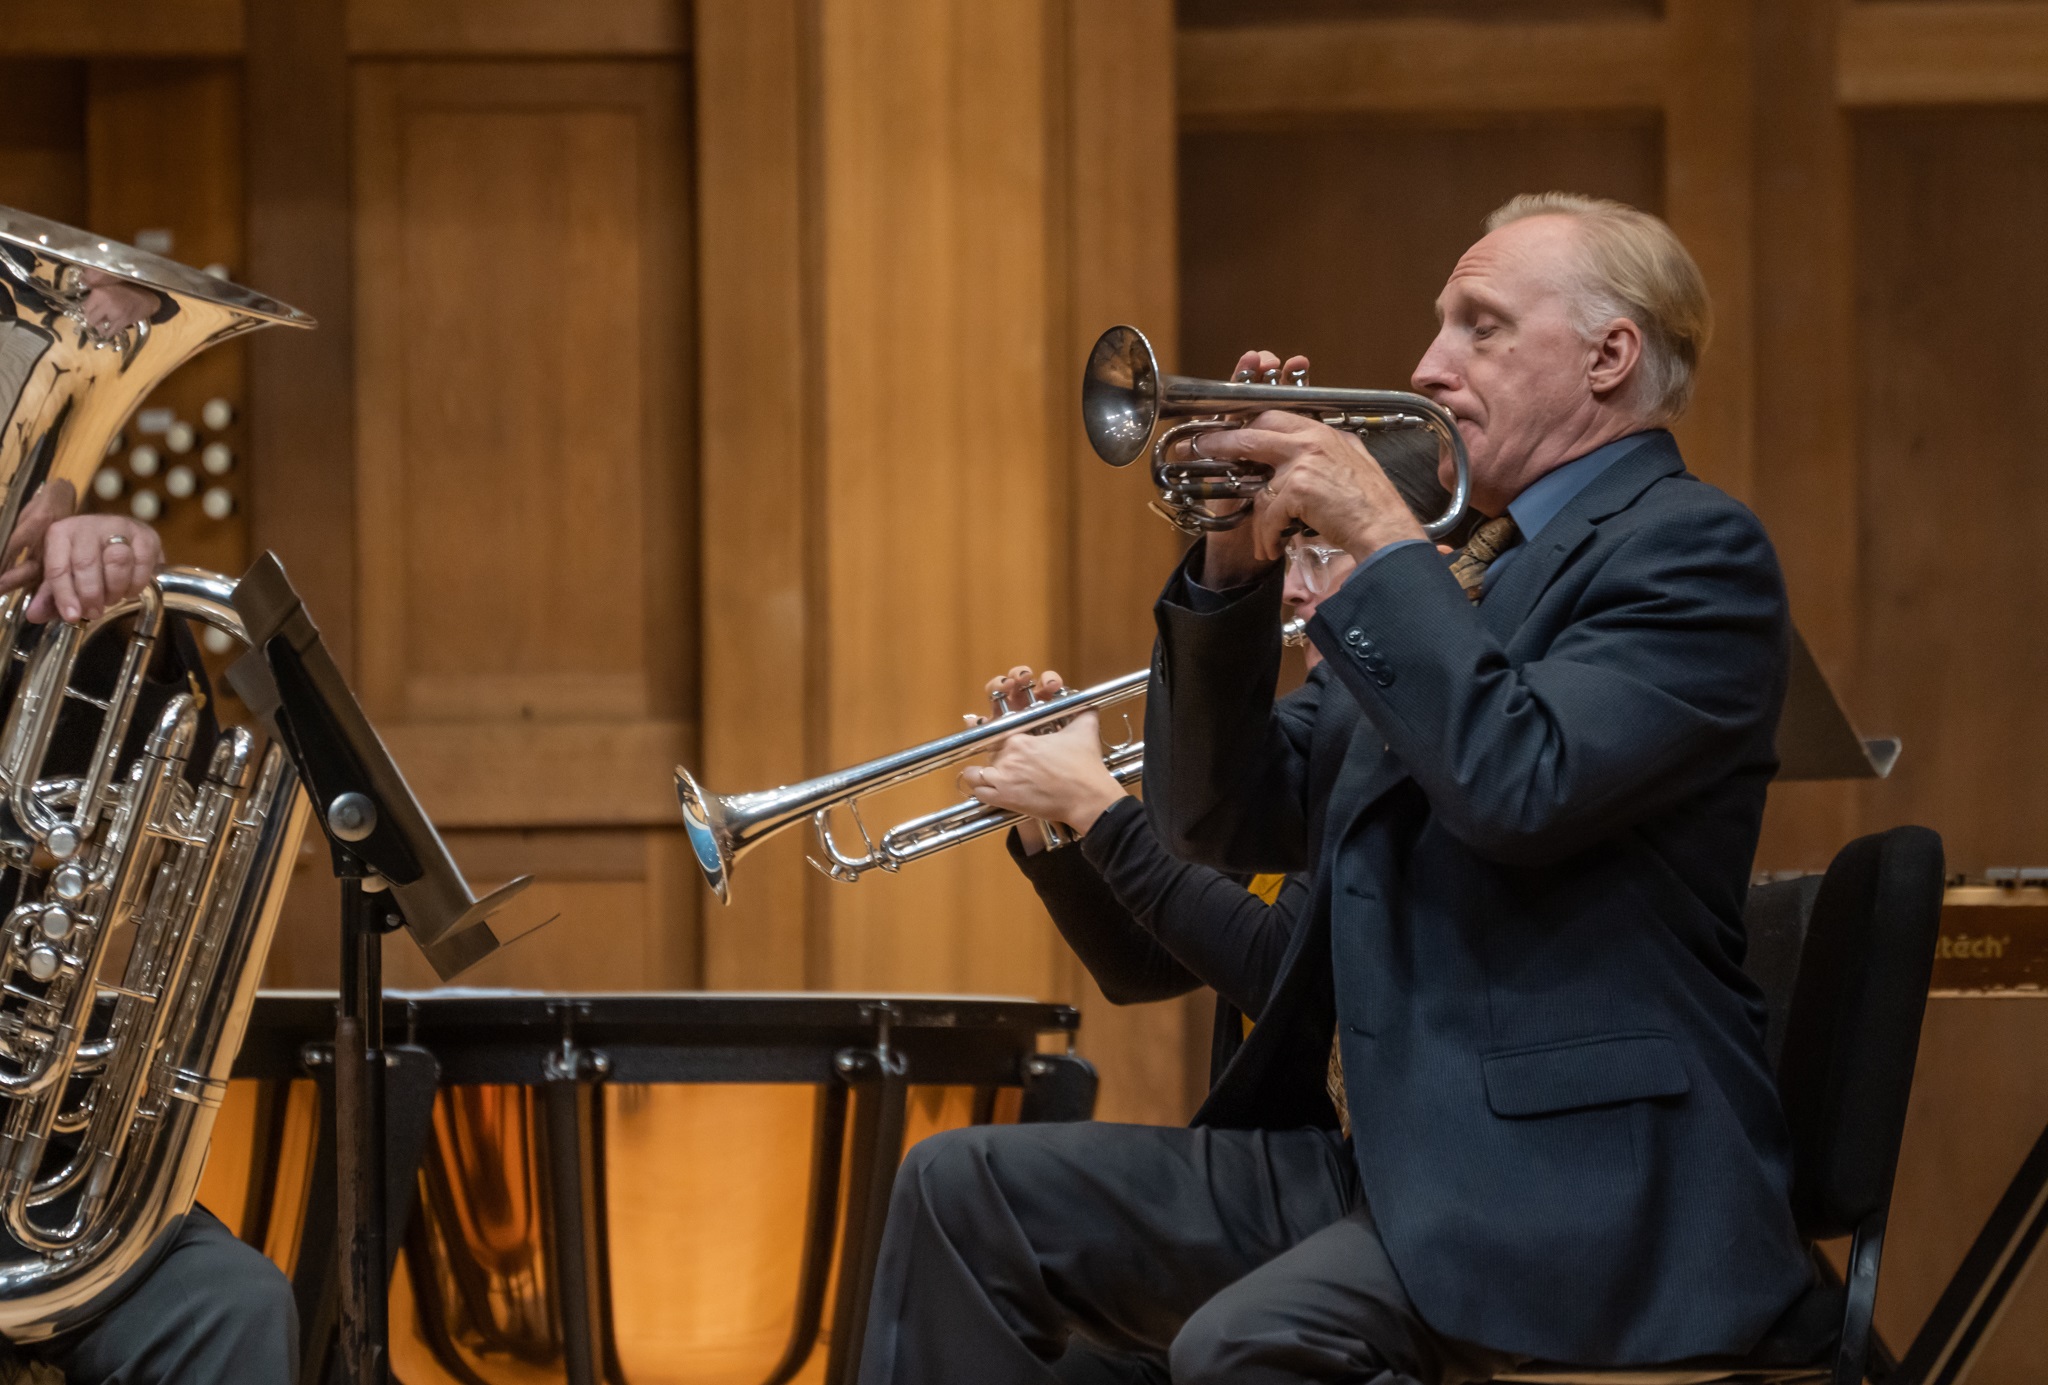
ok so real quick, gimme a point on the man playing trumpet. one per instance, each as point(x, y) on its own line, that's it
point(1509, 1097)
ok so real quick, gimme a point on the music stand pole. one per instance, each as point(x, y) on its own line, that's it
point(395, 872)
point(359, 1123)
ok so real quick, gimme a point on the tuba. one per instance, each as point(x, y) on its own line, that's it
point(142, 880)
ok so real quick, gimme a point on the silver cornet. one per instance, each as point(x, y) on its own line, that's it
point(1125, 396)
point(723, 828)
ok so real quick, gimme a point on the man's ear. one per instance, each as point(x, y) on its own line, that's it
point(1617, 358)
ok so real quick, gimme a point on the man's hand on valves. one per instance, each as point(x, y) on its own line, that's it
point(1323, 478)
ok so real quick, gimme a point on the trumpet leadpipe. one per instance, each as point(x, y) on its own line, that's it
point(722, 828)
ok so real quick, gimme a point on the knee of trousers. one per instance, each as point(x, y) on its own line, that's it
point(947, 1177)
point(1215, 1345)
point(248, 1300)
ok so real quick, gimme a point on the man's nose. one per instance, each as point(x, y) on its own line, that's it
point(1436, 370)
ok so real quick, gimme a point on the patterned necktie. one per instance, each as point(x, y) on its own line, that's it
point(1490, 540)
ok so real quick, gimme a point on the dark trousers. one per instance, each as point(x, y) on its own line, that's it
point(211, 1310)
point(1219, 1255)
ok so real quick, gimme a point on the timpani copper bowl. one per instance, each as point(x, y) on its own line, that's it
point(629, 1187)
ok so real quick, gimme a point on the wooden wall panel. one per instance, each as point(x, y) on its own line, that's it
point(1950, 285)
point(164, 157)
point(620, 902)
point(525, 473)
point(909, 265)
point(1914, 53)
point(1281, 74)
point(42, 164)
point(300, 248)
point(523, 28)
point(757, 109)
point(937, 445)
point(523, 369)
point(301, 426)
point(1980, 1098)
point(1708, 193)
point(1352, 275)
point(1121, 257)
point(124, 28)
point(1224, 14)
point(1805, 424)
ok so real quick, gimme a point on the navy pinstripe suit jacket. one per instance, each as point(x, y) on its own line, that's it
point(1531, 824)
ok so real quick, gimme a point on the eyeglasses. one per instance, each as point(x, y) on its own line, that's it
point(1311, 563)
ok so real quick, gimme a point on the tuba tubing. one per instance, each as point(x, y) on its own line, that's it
point(114, 1060)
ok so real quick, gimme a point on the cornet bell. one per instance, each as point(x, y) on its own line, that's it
point(1125, 397)
point(1120, 395)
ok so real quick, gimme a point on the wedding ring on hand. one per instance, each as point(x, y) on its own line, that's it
point(113, 539)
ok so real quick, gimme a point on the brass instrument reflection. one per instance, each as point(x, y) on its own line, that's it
point(477, 1254)
point(702, 1194)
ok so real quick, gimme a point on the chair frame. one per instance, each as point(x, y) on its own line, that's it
point(1859, 1353)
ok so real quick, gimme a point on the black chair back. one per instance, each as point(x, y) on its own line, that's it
point(1775, 919)
point(1852, 1030)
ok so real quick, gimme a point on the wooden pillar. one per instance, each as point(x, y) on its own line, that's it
point(302, 401)
point(1707, 199)
point(1121, 137)
point(302, 496)
point(915, 215)
point(756, 128)
point(938, 461)
point(1807, 477)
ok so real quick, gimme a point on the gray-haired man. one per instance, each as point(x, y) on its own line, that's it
point(1530, 794)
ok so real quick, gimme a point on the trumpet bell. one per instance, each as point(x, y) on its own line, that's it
point(704, 821)
point(1120, 395)
point(1125, 397)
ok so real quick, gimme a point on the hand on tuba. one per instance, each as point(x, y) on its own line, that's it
point(1056, 776)
point(79, 564)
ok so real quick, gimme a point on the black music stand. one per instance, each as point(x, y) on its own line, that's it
point(1816, 740)
point(384, 848)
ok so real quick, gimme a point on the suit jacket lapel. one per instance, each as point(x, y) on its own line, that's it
point(1369, 771)
point(1613, 490)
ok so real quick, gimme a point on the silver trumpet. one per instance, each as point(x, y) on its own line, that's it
point(142, 881)
point(1125, 397)
point(724, 827)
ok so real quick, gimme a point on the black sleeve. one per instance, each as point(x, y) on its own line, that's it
point(1209, 923)
point(1225, 764)
point(1126, 961)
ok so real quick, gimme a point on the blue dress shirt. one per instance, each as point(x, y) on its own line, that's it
point(1549, 493)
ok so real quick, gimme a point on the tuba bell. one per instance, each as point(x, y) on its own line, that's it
point(142, 882)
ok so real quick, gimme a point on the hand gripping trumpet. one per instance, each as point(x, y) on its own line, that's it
point(722, 828)
point(1125, 397)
